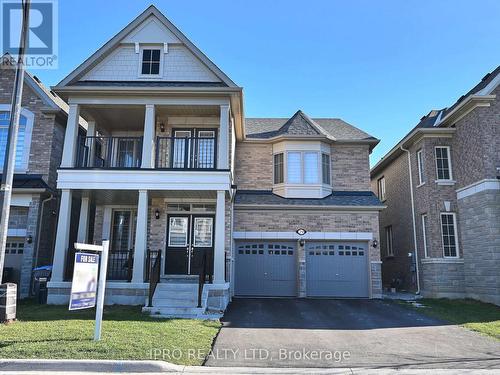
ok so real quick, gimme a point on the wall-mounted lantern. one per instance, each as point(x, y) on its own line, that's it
point(375, 244)
point(157, 214)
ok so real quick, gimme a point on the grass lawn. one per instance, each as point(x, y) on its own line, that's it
point(50, 332)
point(474, 315)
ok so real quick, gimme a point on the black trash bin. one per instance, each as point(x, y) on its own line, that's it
point(41, 275)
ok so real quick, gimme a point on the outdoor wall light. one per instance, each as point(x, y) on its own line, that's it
point(302, 242)
point(29, 239)
point(375, 243)
point(157, 214)
point(162, 127)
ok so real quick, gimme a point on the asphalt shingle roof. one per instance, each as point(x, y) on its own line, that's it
point(301, 124)
point(337, 198)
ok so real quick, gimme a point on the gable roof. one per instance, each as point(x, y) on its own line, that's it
point(50, 98)
point(439, 120)
point(109, 46)
point(302, 125)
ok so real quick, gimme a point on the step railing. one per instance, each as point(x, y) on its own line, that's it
point(154, 266)
point(202, 277)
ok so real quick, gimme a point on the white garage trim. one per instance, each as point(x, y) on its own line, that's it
point(364, 236)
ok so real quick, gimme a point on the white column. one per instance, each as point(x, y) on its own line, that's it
point(220, 236)
point(62, 238)
point(223, 146)
point(90, 143)
point(140, 237)
point(83, 223)
point(70, 137)
point(149, 137)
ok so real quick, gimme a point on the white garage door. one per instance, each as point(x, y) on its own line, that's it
point(266, 269)
point(337, 269)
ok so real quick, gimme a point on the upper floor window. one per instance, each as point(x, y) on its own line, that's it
point(420, 165)
point(381, 188)
point(279, 170)
point(424, 234)
point(449, 233)
point(23, 138)
point(151, 59)
point(443, 163)
point(325, 163)
point(388, 241)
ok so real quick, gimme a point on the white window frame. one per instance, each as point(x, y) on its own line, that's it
point(139, 67)
point(448, 148)
point(28, 130)
point(319, 165)
point(453, 214)
point(389, 241)
point(381, 191)
point(420, 167)
point(425, 221)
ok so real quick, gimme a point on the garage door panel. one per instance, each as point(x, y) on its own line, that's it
point(265, 269)
point(337, 269)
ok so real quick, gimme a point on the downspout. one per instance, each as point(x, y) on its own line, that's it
point(39, 229)
point(413, 218)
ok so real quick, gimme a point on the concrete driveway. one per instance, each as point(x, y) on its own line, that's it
point(344, 333)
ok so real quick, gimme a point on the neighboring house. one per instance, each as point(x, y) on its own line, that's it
point(34, 203)
point(454, 160)
point(183, 186)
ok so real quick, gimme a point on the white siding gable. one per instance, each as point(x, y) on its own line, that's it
point(151, 31)
point(179, 63)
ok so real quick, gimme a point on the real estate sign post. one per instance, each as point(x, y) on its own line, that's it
point(85, 282)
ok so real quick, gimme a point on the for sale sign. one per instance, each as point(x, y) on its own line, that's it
point(84, 286)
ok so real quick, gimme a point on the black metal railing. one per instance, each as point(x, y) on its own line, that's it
point(154, 275)
point(186, 153)
point(120, 265)
point(202, 277)
point(150, 260)
point(109, 152)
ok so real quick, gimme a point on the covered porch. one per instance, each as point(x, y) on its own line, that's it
point(154, 235)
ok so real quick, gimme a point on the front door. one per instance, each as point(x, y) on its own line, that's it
point(189, 238)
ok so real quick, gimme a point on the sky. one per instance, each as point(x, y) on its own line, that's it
point(379, 65)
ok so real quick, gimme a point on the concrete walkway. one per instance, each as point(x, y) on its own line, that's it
point(345, 333)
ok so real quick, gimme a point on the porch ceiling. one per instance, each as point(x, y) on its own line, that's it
point(112, 118)
point(130, 197)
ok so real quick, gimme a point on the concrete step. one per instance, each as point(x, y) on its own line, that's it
point(175, 302)
point(177, 287)
point(174, 311)
point(176, 294)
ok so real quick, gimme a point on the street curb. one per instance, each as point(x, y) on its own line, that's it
point(84, 365)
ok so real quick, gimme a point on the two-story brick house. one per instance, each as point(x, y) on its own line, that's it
point(189, 191)
point(31, 232)
point(449, 210)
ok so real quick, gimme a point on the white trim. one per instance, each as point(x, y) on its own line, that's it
point(445, 182)
point(443, 261)
point(438, 180)
point(389, 239)
point(21, 200)
point(420, 167)
point(140, 100)
point(28, 130)
point(353, 236)
point(424, 233)
point(477, 187)
point(488, 89)
point(136, 179)
point(16, 232)
point(455, 234)
point(151, 47)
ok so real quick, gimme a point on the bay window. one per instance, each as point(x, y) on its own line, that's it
point(279, 170)
point(302, 167)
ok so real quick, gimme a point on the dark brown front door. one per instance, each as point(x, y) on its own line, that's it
point(189, 238)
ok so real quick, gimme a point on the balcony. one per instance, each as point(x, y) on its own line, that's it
point(171, 153)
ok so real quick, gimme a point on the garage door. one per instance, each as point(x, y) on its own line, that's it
point(265, 269)
point(336, 269)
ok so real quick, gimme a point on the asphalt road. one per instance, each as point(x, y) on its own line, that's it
point(344, 333)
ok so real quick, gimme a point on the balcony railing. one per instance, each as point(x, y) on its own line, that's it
point(186, 153)
point(191, 153)
point(109, 152)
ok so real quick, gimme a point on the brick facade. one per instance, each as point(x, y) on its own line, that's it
point(45, 154)
point(474, 148)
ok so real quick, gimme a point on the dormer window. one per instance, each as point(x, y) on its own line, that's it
point(151, 62)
